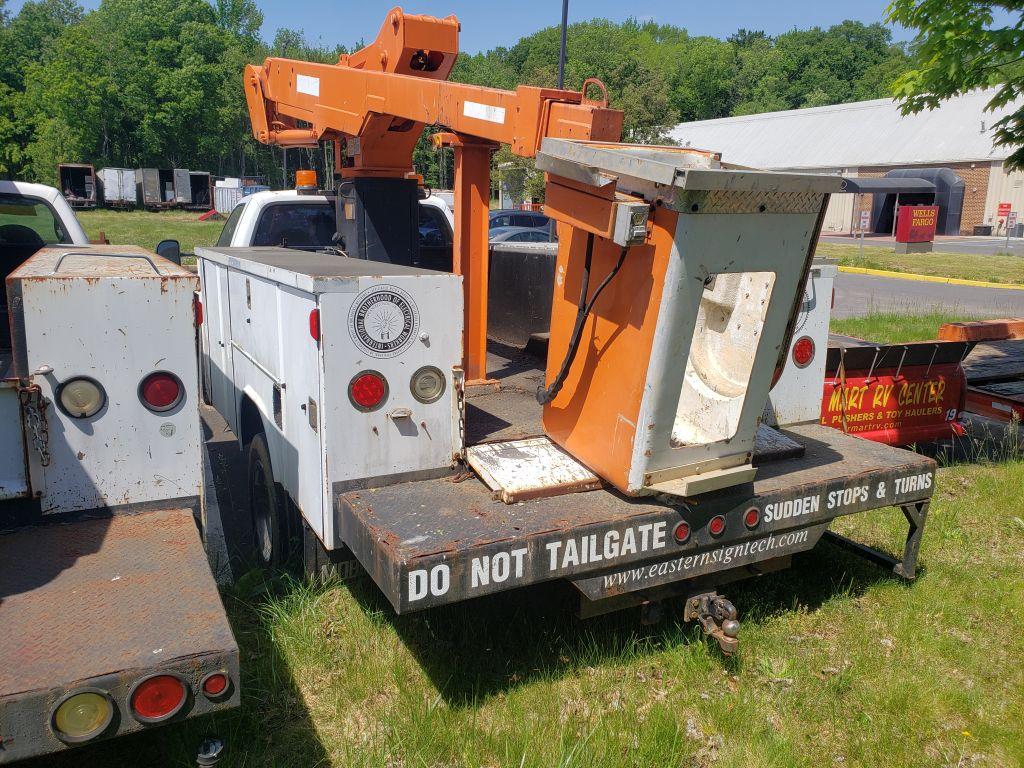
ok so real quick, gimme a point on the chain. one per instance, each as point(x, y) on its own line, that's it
point(34, 405)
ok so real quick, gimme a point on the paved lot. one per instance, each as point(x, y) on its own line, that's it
point(979, 245)
point(856, 295)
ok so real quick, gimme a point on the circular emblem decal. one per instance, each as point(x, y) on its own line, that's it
point(383, 320)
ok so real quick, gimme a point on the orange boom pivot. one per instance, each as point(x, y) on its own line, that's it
point(375, 103)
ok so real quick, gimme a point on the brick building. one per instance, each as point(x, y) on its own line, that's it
point(872, 139)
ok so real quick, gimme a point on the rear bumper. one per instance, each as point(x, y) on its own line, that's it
point(105, 603)
point(436, 542)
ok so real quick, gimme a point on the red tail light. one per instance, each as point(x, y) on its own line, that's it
point(681, 532)
point(161, 391)
point(752, 517)
point(215, 685)
point(158, 698)
point(368, 390)
point(314, 325)
point(803, 351)
point(717, 525)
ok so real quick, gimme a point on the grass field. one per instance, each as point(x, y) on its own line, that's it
point(146, 229)
point(896, 328)
point(997, 268)
point(840, 664)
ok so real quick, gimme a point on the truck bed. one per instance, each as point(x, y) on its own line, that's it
point(401, 531)
point(995, 379)
point(101, 602)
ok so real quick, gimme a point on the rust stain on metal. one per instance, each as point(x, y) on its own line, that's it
point(67, 590)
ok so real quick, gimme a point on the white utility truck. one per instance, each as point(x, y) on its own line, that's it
point(112, 622)
point(341, 377)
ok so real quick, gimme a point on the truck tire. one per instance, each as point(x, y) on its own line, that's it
point(267, 507)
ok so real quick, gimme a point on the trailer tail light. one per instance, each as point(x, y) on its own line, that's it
point(81, 397)
point(215, 685)
point(368, 390)
point(161, 391)
point(158, 698)
point(681, 533)
point(717, 525)
point(752, 517)
point(82, 715)
point(314, 325)
point(803, 351)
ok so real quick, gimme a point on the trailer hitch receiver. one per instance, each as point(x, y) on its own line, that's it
point(717, 617)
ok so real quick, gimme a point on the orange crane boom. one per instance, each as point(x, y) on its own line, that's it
point(375, 103)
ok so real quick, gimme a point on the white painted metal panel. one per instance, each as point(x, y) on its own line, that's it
point(852, 135)
point(115, 320)
point(254, 320)
point(13, 472)
point(703, 416)
point(299, 452)
point(384, 442)
point(1003, 187)
point(796, 396)
point(217, 360)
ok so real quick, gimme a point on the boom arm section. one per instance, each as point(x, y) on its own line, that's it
point(376, 103)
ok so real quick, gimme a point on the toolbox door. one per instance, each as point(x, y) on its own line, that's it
point(13, 472)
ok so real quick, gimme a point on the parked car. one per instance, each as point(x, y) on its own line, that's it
point(522, 235)
point(510, 217)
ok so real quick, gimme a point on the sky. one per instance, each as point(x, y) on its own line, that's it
point(487, 25)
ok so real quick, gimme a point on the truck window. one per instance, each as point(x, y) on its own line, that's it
point(26, 225)
point(296, 225)
point(230, 226)
point(28, 221)
point(434, 229)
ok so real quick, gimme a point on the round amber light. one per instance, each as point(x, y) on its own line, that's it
point(82, 716)
point(427, 384)
point(81, 398)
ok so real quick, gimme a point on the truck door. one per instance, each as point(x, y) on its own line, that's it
point(13, 472)
point(182, 186)
point(218, 370)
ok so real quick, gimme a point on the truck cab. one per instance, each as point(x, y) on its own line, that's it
point(307, 222)
point(31, 216)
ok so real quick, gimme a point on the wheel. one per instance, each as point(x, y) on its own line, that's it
point(267, 505)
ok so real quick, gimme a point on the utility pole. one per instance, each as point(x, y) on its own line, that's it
point(561, 51)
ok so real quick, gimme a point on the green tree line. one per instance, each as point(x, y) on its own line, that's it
point(158, 82)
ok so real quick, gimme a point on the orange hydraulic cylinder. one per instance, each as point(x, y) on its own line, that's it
point(472, 206)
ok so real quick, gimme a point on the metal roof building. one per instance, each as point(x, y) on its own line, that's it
point(872, 138)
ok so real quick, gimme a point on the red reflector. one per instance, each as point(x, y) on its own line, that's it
point(314, 325)
point(752, 517)
point(367, 390)
point(958, 429)
point(158, 697)
point(681, 532)
point(215, 684)
point(197, 307)
point(717, 525)
point(160, 391)
point(803, 351)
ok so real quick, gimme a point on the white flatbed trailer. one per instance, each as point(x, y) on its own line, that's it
point(112, 621)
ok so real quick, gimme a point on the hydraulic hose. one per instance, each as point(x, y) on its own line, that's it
point(583, 310)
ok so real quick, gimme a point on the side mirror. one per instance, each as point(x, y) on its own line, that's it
point(170, 250)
